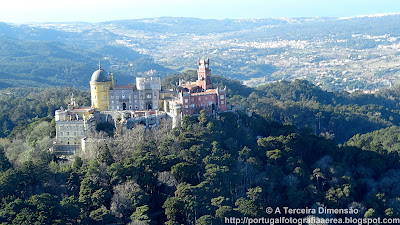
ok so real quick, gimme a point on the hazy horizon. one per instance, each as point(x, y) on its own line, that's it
point(22, 11)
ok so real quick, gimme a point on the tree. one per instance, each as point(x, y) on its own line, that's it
point(140, 214)
point(105, 155)
point(127, 196)
point(206, 220)
point(70, 208)
point(203, 118)
point(224, 211)
point(4, 163)
point(274, 155)
point(86, 190)
point(182, 171)
point(101, 215)
point(174, 210)
point(45, 209)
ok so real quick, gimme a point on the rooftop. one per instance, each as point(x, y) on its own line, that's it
point(123, 86)
point(207, 92)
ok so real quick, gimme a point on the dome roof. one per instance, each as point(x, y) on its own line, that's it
point(100, 76)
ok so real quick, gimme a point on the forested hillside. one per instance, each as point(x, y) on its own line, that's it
point(384, 140)
point(32, 63)
point(234, 164)
point(209, 169)
point(21, 106)
point(337, 115)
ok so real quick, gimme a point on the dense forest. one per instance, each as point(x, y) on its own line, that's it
point(209, 169)
point(278, 149)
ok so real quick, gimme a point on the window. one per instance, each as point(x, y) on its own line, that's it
point(206, 98)
point(81, 133)
point(112, 96)
point(75, 133)
point(61, 133)
point(95, 87)
point(222, 97)
point(123, 96)
point(162, 96)
point(67, 133)
point(130, 96)
point(135, 101)
point(148, 96)
point(222, 102)
point(192, 99)
point(112, 107)
point(199, 98)
point(212, 97)
point(117, 107)
point(117, 97)
point(105, 102)
point(186, 100)
point(112, 101)
point(135, 96)
point(130, 107)
point(61, 128)
point(186, 106)
point(104, 87)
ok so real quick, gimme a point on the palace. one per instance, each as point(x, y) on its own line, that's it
point(125, 106)
point(199, 95)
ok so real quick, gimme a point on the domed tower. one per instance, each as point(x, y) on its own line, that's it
point(100, 84)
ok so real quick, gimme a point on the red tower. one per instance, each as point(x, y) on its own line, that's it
point(203, 74)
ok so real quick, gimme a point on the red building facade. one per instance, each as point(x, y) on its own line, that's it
point(200, 95)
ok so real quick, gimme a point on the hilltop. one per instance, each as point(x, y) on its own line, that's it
point(334, 53)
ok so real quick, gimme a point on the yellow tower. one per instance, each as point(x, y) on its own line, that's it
point(100, 83)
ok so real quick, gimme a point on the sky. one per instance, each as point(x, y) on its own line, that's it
point(27, 11)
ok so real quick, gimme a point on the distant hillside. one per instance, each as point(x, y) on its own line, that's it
point(387, 139)
point(286, 28)
point(37, 58)
point(334, 53)
point(35, 63)
point(337, 115)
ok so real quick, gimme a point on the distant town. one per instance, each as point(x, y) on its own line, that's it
point(333, 53)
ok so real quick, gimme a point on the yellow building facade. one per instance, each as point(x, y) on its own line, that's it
point(100, 84)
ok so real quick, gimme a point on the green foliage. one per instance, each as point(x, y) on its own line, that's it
point(140, 215)
point(182, 171)
point(4, 162)
point(231, 165)
point(174, 210)
point(384, 140)
point(105, 155)
point(338, 115)
point(22, 106)
point(101, 215)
